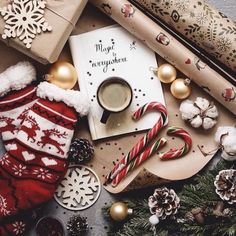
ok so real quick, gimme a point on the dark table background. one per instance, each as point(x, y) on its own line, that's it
point(97, 226)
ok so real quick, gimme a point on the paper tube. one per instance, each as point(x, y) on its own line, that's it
point(200, 23)
point(170, 49)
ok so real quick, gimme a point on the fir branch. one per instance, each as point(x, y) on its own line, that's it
point(200, 193)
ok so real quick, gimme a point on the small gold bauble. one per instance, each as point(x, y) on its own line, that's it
point(180, 88)
point(119, 211)
point(166, 73)
point(62, 74)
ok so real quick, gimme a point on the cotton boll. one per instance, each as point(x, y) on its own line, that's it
point(196, 122)
point(228, 157)
point(202, 103)
point(188, 110)
point(226, 136)
point(223, 130)
point(212, 112)
point(208, 123)
point(199, 113)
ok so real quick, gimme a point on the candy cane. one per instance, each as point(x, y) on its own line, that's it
point(139, 160)
point(144, 141)
point(176, 153)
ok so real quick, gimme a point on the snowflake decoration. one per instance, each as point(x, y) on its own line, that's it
point(79, 189)
point(224, 44)
point(24, 19)
point(19, 170)
point(201, 18)
point(182, 5)
point(3, 206)
point(5, 160)
point(18, 227)
point(42, 173)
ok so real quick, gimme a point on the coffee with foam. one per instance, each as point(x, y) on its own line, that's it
point(115, 95)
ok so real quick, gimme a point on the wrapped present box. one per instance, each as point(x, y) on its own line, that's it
point(46, 47)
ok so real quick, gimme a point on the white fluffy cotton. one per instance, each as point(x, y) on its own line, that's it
point(208, 123)
point(199, 113)
point(226, 136)
point(196, 122)
point(71, 98)
point(188, 105)
point(17, 77)
point(202, 103)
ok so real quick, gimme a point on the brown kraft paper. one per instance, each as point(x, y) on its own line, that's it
point(46, 47)
point(109, 151)
point(154, 171)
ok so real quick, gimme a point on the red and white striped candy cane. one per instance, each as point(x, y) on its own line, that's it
point(176, 153)
point(139, 160)
point(144, 141)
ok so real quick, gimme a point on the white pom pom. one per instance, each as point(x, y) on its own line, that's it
point(188, 110)
point(196, 122)
point(202, 103)
point(208, 123)
point(226, 136)
point(154, 220)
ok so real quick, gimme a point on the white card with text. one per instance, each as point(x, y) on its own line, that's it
point(113, 51)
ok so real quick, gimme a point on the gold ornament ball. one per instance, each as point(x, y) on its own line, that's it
point(119, 211)
point(180, 88)
point(166, 73)
point(62, 74)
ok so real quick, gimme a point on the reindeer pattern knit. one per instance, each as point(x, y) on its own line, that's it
point(37, 126)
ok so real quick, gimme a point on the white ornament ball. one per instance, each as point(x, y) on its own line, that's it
point(154, 220)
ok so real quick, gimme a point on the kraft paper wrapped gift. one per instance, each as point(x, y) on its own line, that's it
point(46, 47)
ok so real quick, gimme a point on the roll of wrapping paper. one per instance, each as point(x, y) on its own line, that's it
point(200, 23)
point(170, 49)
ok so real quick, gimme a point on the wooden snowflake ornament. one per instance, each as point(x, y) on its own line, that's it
point(24, 19)
point(79, 189)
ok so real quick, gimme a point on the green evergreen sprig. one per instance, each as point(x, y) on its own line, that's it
point(200, 193)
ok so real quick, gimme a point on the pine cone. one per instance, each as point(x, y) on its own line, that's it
point(164, 203)
point(81, 151)
point(225, 184)
point(77, 225)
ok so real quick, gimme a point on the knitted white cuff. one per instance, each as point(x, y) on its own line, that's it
point(71, 98)
point(17, 77)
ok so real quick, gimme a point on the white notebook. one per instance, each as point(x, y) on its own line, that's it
point(113, 51)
